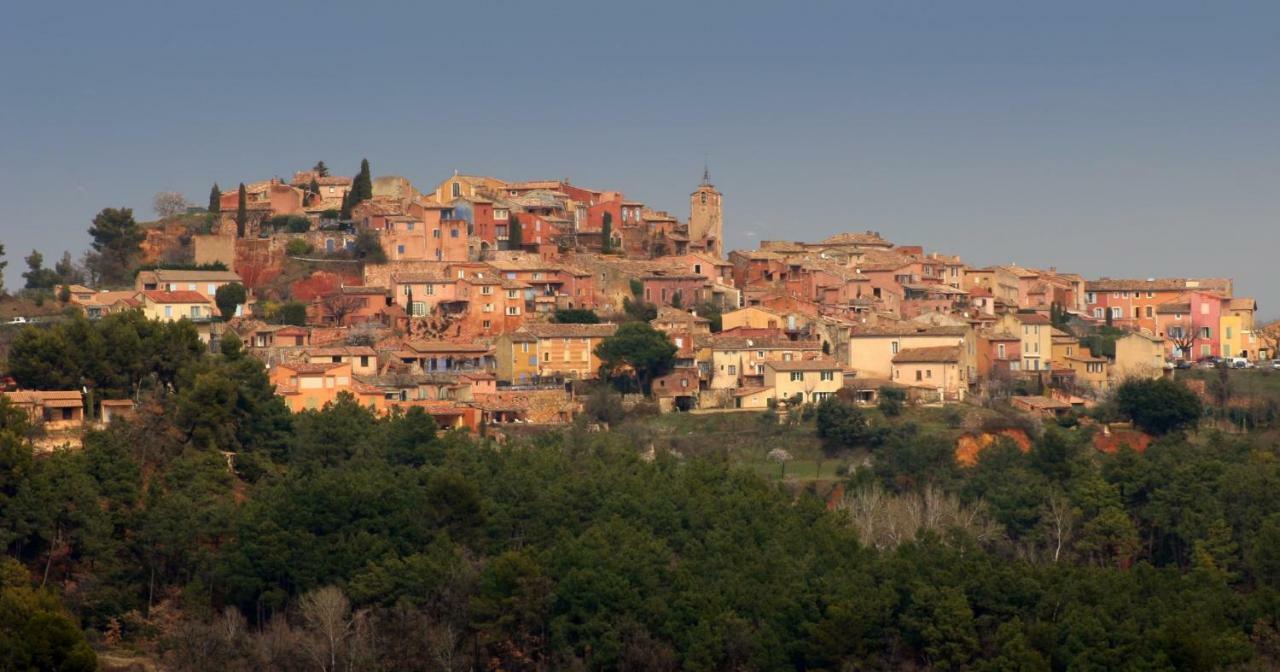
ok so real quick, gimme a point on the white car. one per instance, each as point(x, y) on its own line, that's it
point(18, 320)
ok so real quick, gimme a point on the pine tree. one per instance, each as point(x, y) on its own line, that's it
point(215, 199)
point(606, 234)
point(321, 169)
point(242, 211)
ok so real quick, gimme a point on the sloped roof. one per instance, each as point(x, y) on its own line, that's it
point(940, 354)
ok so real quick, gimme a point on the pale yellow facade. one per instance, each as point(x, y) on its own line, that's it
point(872, 355)
point(1138, 356)
point(810, 382)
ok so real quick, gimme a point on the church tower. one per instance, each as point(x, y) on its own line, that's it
point(706, 216)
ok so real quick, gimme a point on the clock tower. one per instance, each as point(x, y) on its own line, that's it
point(706, 216)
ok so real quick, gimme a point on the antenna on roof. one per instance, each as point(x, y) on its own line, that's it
point(706, 171)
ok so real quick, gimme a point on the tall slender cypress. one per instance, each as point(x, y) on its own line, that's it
point(215, 199)
point(242, 211)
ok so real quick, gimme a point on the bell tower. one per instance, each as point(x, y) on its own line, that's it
point(706, 216)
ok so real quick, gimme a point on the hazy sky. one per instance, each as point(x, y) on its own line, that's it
point(1107, 138)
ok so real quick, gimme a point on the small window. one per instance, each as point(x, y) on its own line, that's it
point(797, 376)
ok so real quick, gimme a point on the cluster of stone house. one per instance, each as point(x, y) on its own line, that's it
point(458, 319)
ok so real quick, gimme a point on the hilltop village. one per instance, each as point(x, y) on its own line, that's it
point(489, 303)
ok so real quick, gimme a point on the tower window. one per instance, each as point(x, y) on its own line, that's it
point(704, 198)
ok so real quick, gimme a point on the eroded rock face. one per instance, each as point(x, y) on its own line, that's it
point(969, 446)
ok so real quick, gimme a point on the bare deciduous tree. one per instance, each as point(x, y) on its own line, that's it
point(885, 521)
point(169, 204)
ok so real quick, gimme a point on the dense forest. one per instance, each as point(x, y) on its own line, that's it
point(217, 531)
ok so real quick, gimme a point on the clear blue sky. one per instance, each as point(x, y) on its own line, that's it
point(1123, 138)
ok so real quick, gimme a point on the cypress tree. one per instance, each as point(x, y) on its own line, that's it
point(515, 237)
point(314, 188)
point(242, 211)
point(215, 199)
point(362, 185)
point(345, 213)
point(606, 234)
point(321, 169)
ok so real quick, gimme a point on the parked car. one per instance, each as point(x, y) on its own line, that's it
point(1275, 363)
point(1238, 362)
point(18, 320)
point(1208, 362)
point(1181, 364)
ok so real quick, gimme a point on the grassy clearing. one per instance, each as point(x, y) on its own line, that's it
point(745, 438)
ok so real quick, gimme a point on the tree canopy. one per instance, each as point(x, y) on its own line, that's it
point(117, 241)
point(1159, 406)
point(636, 351)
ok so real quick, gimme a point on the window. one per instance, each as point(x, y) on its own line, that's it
point(408, 226)
point(797, 376)
point(453, 233)
point(1204, 309)
point(1000, 350)
point(418, 309)
point(1090, 297)
point(1228, 332)
point(457, 189)
point(733, 370)
point(1115, 313)
point(919, 375)
point(1151, 295)
point(512, 310)
point(500, 214)
point(364, 360)
point(827, 376)
point(400, 249)
point(511, 293)
point(1097, 313)
point(928, 373)
point(195, 312)
point(486, 324)
point(893, 347)
point(1206, 332)
point(1149, 311)
point(486, 290)
point(1137, 312)
point(430, 289)
point(435, 233)
point(168, 311)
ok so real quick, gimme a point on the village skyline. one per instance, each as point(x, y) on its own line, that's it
point(1104, 139)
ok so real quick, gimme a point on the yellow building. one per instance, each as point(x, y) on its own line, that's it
point(738, 361)
point(568, 350)
point(752, 317)
point(810, 381)
point(1236, 329)
point(1138, 356)
point(517, 357)
point(181, 305)
point(1063, 345)
point(1090, 371)
point(937, 369)
point(871, 350)
point(1036, 332)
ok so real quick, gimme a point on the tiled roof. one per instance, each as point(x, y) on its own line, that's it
point(823, 364)
point(308, 367)
point(1157, 284)
point(182, 296)
point(1032, 318)
point(1173, 307)
point(175, 275)
point(552, 330)
point(422, 346)
point(909, 330)
point(342, 351)
point(940, 354)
